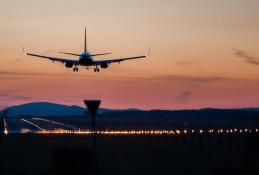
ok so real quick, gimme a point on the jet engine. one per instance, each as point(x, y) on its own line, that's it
point(104, 65)
point(69, 64)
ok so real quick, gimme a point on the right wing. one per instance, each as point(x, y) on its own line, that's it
point(118, 60)
point(75, 62)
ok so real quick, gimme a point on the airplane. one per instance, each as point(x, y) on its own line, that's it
point(86, 59)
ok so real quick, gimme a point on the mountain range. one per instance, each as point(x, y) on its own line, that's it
point(48, 109)
point(53, 109)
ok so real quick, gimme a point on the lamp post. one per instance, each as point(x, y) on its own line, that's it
point(3, 124)
point(93, 106)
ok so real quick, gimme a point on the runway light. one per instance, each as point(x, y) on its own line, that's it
point(178, 131)
point(25, 130)
point(5, 131)
point(5, 127)
point(211, 131)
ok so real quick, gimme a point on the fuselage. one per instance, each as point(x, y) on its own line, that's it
point(86, 59)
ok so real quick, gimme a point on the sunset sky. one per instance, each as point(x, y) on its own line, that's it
point(204, 53)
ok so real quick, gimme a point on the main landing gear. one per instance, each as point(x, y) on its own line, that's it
point(75, 69)
point(96, 69)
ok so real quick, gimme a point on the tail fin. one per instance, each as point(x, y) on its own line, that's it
point(85, 44)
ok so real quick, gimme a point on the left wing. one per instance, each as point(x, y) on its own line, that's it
point(75, 62)
point(118, 60)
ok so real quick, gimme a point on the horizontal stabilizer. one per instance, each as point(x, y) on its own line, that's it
point(74, 54)
point(100, 54)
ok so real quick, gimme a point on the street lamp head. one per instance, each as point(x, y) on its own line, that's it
point(93, 106)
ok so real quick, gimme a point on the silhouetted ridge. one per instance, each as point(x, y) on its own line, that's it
point(47, 109)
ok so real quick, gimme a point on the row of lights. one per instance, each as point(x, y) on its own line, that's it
point(148, 132)
point(133, 132)
point(54, 122)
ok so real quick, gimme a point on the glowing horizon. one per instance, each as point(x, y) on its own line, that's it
point(192, 62)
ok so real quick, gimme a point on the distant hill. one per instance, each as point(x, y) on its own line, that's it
point(47, 109)
point(139, 119)
point(207, 114)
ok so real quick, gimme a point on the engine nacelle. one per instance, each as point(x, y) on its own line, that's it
point(69, 64)
point(104, 65)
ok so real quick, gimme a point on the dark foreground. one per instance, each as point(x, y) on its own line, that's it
point(32, 154)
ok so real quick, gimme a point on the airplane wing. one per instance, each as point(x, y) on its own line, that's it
point(118, 60)
point(75, 62)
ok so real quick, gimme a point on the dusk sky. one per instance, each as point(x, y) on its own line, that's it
point(204, 53)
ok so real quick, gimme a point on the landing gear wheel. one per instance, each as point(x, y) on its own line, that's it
point(96, 70)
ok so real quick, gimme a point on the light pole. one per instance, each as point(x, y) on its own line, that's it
point(93, 106)
point(3, 124)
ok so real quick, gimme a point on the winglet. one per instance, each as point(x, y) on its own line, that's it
point(148, 52)
point(25, 53)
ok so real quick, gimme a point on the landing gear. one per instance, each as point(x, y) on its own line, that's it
point(96, 69)
point(75, 69)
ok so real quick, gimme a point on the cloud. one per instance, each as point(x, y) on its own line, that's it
point(184, 96)
point(11, 62)
point(4, 74)
point(192, 78)
point(6, 95)
point(249, 59)
point(185, 63)
point(19, 97)
point(8, 98)
point(14, 61)
point(51, 51)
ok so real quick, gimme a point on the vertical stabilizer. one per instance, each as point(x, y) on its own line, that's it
point(85, 44)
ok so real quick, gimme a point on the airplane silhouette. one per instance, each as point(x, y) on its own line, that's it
point(86, 59)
